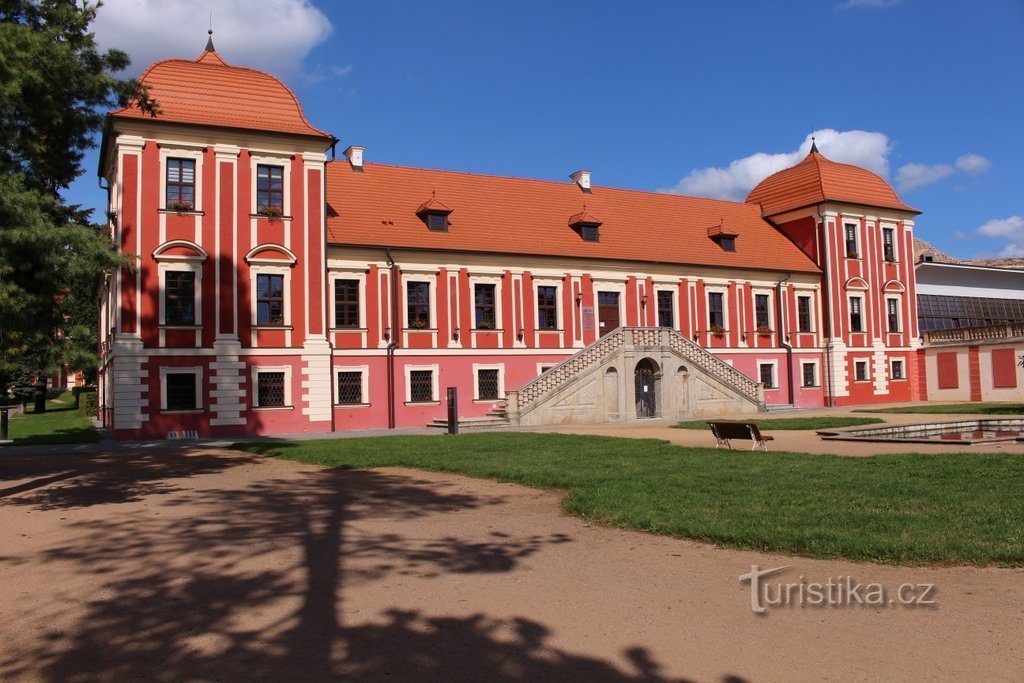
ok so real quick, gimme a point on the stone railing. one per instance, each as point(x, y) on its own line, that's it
point(716, 367)
point(635, 337)
point(973, 334)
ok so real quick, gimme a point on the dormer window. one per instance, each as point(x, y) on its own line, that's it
point(586, 225)
point(723, 237)
point(434, 214)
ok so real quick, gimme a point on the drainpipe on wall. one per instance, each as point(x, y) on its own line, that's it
point(392, 344)
point(830, 397)
point(782, 335)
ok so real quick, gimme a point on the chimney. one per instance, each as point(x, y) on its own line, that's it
point(582, 179)
point(354, 154)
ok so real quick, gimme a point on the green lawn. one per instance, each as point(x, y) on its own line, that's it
point(789, 423)
point(900, 509)
point(61, 423)
point(954, 409)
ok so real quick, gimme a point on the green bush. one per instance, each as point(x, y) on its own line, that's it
point(77, 393)
point(89, 402)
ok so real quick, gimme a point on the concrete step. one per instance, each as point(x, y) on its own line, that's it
point(472, 423)
point(781, 408)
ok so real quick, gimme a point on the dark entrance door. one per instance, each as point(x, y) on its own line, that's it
point(607, 312)
point(646, 401)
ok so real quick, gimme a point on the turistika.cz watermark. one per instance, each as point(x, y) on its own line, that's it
point(838, 591)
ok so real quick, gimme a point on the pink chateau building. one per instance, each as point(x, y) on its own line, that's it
point(282, 290)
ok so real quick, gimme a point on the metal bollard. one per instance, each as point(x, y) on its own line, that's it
point(453, 410)
point(4, 424)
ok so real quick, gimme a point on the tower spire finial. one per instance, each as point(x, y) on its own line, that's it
point(814, 146)
point(209, 32)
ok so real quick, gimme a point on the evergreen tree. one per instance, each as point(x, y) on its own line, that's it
point(55, 87)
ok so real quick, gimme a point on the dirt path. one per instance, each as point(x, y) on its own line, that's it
point(212, 565)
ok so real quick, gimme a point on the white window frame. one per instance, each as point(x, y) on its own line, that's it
point(867, 371)
point(332, 277)
point(899, 314)
point(817, 376)
point(708, 291)
point(255, 373)
point(543, 367)
point(863, 313)
point(191, 154)
point(775, 371)
point(559, 303)
point(364, 385)
point(282, 160)
point(895, 241)
point(431, 281)
point(184, 265)
point(809, 295)
point(495, 280)
point(892, 361)
point(435, 380)
point(771, 307)
point(256, 270)
point(476, 381)
point(196, 370)
point(675, 305)
point(857, 238)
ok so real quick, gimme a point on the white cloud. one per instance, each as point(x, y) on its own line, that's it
point(973, 164)
point(275, 35)
point(913, 176)
point(1011, 228)
point(853, 4)
point(862, 148)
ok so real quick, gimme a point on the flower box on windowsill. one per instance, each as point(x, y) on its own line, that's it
point(185, 211)
point(853, 255)
point(764, 331)
point(269, 215)
point(890, 259)
point(419, 329)
point(717, 330)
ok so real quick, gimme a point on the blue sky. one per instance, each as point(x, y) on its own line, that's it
point(694, 97)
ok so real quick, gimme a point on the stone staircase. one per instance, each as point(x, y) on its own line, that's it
point(497, 418)
point(645, 341)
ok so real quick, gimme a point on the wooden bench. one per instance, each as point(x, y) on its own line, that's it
point(724, 431)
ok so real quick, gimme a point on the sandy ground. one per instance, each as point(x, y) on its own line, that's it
point(204, 564)
point(801, 441)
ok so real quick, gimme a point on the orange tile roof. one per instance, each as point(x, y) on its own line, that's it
point(377, 207)
point(584, 217)
point(818, 179)
point(209, 91)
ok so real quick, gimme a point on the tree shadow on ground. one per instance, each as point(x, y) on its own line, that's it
point(249, 583)
point(67, 481)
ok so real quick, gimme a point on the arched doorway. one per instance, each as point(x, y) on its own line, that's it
point(646, 395)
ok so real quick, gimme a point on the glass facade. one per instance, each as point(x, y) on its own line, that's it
point(940, 312)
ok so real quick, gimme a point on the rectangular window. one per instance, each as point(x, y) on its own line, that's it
point(438, 222)
point(269, 299)
point(666, 309)
point(487, 384)
point(589, 233)
point(897, 370)
point(860, 370)
point(810, 374)
point(761, 316)
point(181, 184)
point(483, 303)
point(856, 318)
point(269, 188)
point(892, 307)
point(421, 386)
point(767, 373)
point(888, 244)
point(181, 391)
point(803, 314)
point(851, 240)
point(716, 311)
point(179, 297)
point(350, 387)
point(547, 308)
point(418, 305)
point(270, 389)
point(346, 303)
